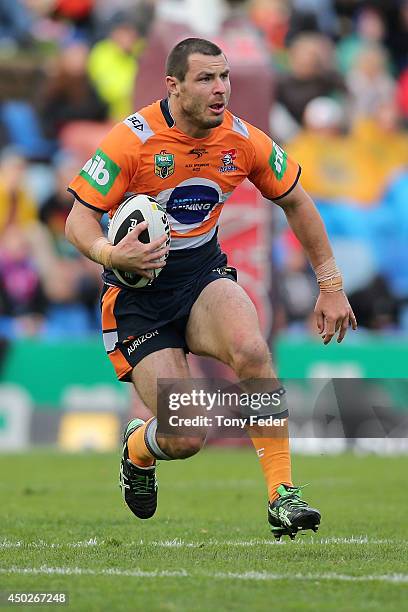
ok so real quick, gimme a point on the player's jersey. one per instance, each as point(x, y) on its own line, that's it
point(191, 178)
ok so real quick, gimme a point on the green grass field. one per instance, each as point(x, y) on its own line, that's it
point(64, 527)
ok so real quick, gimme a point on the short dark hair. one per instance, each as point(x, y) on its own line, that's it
point(177, 61)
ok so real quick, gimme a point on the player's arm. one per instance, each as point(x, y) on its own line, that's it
point(333, 311)
point(99, 187)
point(276, 175)
point(83, 229)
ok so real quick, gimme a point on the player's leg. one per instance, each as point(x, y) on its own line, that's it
point(141, 353)
point(237, 341)
point(224, 324)
point(141, 444)
point(166, 363)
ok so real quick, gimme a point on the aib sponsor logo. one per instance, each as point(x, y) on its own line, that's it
point(100, 172)
point(278, 161)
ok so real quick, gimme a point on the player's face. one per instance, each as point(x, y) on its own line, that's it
point(205, 91)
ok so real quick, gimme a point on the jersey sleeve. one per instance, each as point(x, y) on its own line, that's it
point(105, 178)
point(273, 172)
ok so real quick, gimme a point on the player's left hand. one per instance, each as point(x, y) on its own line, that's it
point(334, 314)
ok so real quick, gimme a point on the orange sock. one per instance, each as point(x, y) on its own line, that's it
point(274, 456)
point(139, 454)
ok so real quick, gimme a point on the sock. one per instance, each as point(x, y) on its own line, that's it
point(139, 454)
point(274, 456)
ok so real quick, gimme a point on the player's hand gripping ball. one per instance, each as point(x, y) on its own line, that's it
point(131, 212)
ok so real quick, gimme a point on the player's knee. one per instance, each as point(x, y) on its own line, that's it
point(249, 356)
point(184, 447)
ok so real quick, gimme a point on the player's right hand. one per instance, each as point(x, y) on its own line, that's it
point(131, 255)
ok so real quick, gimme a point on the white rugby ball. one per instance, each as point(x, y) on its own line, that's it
point(130, 213)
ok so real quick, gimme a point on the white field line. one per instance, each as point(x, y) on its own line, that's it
point(394, 578)
point(178, 543)
point(92, 542)
point(79, 571)
point(260, 576)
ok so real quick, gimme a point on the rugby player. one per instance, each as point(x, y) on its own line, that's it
point(189, 153)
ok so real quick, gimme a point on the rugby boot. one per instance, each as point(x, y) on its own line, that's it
point(138, 484)
point(290, 513)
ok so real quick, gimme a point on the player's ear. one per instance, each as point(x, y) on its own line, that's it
point(173, 85)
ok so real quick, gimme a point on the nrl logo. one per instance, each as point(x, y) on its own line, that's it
point(164, 164)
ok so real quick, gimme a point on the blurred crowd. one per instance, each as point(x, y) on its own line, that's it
point(339, 105)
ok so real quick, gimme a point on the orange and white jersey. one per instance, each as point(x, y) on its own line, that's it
point(191, 178)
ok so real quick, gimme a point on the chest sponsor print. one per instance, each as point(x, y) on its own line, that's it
point(192, 201)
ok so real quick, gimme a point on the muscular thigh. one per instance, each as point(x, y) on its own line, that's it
point(221, 321)
point(166, 363)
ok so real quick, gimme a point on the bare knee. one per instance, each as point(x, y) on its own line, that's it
point(183, 447)
point(250, 357)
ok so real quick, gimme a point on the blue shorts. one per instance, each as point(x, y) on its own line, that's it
point(138, 322)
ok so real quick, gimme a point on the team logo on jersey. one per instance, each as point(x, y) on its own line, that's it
point(100, 172)
point(228, 158)
point(278, 161)
point(164, 164)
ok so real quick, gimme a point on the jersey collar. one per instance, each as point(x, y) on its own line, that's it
point(165, 109)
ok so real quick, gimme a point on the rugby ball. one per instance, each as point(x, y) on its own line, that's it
point(134, 210)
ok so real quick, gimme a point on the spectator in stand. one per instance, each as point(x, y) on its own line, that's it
point(370, 29)
point(73, 284)
point(22, 298)
point(17, 207)
point(15, 24)
point(34, 281)
point(73, 298)
point(397, 40)
point(68, 93)
point(402, 94)
point(113, 65)
point(369, 81)
point(271, 17)
point(377, 307)
point(297, 285)
point(334, 164)
point(311, 75)
point(140, 12)
point(321, 10)
point(78, 12)
point(382, 136)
